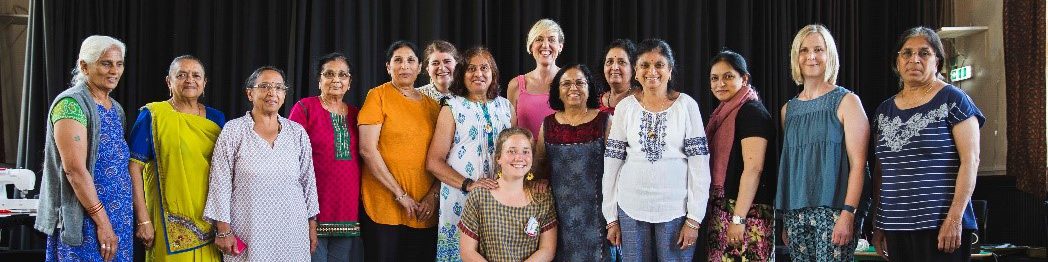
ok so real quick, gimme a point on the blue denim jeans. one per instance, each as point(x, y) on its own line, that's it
point(338, 249)
point(643, 241)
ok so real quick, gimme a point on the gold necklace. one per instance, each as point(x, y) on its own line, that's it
point(577, 120)
point(410, 91)
point(199, 111)
point(333, 106)
point(914, 101)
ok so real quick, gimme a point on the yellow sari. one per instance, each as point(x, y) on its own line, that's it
point(176, 183)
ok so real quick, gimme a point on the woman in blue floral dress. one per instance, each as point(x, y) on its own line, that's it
point(90, 218)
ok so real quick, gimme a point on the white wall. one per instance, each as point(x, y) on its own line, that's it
point(12, 66)
point(985, 53)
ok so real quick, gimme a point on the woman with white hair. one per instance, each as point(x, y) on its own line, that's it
point(529, 93)
point(85, 193)
point(823, 159)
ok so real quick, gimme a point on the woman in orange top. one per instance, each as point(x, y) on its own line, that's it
point(399, 196)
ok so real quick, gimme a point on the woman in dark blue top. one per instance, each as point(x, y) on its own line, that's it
point(927, 150)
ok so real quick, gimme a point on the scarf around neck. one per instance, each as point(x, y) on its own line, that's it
point(721, 130)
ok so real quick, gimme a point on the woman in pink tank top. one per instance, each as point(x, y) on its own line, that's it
point(529, 93)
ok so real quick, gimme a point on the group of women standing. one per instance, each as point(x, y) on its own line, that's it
point(561, 169)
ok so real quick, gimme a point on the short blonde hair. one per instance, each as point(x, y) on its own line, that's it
point(833, 64)
point(542, 26)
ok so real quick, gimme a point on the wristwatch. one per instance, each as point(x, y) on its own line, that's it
point(848, 208)
point(737, 220)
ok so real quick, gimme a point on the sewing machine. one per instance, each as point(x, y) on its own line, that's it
point(24, 180)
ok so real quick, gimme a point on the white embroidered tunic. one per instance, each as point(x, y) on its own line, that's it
point(656, 164)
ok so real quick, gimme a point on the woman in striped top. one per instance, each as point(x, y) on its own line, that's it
point(927, 148)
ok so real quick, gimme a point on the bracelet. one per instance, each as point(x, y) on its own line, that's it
point(947, 221)
point(689, 224)
point(465, 185)
point(613, 223)
point(400, 197)
point(95, 209)
point(224, 235)
point(145, 223)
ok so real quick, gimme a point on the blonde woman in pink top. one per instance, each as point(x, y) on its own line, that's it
point(529, 93)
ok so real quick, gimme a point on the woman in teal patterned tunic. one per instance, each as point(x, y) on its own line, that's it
point(823, 160)
point(91, 218)
point(460, 155)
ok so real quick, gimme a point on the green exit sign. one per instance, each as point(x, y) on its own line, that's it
point(962, 73)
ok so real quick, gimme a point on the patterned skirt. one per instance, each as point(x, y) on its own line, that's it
point(758, 235)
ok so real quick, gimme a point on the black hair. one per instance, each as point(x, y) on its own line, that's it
point(398, 45)
point(592, 99)
point(660, 47)
point(458, 84)
point(933, 40)
point(735, 60)
point(626, 45)
point(323, 60)
point(174, 63)
point(250, 82)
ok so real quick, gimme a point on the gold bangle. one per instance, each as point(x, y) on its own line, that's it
point(689, 224)
point(401, 196)
point(145, 223)
point(94, 209)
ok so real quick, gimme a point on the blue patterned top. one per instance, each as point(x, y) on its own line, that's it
point(477, 126)
point(113, 184)
point(919, 160)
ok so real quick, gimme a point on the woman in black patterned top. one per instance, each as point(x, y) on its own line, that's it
point(516, 221)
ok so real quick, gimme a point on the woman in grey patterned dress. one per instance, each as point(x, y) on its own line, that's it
point(262, 189)
point(572, 141)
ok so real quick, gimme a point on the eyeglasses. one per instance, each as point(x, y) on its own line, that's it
point(267, 86)
point(924, 54)
point(332, 74)
point(183, 76)
point(576, 83)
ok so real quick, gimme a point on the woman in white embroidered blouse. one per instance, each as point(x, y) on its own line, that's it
point(656, 165)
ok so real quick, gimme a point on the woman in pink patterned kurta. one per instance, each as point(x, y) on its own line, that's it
point(332, 128)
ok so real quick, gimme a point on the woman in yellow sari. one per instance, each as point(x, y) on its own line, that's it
point(171, 144)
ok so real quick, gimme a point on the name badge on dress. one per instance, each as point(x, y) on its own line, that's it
point(533, 227)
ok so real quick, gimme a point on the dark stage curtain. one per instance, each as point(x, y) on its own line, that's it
point(235, 37)
point(1024, 39)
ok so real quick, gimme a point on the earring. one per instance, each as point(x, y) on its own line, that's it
point(530, 176)
point(498, 175)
